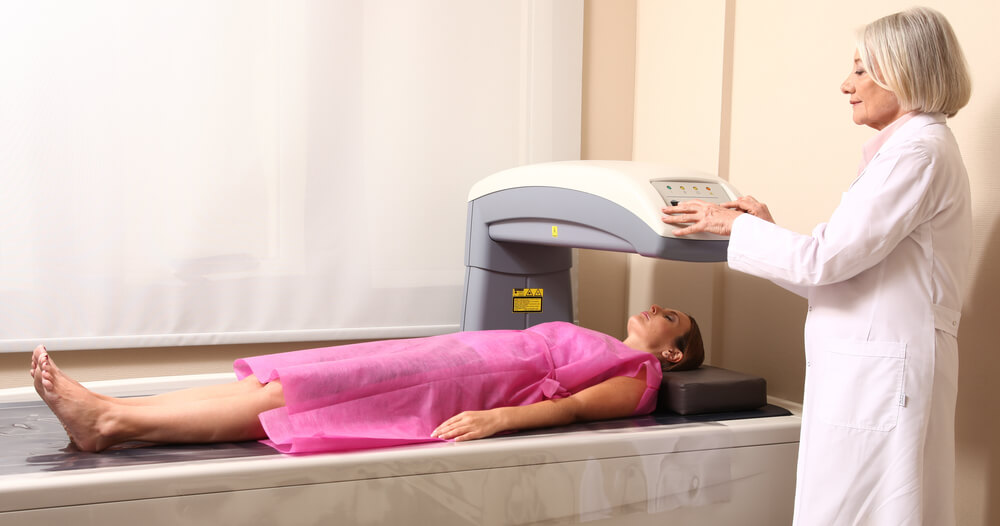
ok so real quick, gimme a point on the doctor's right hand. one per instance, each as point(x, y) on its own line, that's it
point(699, 216)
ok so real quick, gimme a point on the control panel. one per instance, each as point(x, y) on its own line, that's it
point(676, 191)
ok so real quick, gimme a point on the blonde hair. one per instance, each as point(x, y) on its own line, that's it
point(915, 55)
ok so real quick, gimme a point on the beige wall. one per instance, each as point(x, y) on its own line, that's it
point(771, 71)
point(679, 117)
point(608, 100)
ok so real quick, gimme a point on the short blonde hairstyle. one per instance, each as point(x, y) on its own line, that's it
point(915, 54)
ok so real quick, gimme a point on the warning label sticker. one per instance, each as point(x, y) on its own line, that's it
point(527, 300)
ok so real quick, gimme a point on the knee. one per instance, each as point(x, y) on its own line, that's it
point(250, 385)
point(271, 393)
point(275, 393)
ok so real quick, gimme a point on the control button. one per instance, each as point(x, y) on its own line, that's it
point(674, 202)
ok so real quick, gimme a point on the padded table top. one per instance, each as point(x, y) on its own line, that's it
point(32, 440)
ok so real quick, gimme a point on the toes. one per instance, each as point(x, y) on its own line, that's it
point(40, 350)
point(45, 363)
point(34, 358)
point(48, 380)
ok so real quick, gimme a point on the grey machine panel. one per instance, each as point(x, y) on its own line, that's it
point(519, 241)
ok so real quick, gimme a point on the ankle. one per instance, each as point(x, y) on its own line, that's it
point(109, 426)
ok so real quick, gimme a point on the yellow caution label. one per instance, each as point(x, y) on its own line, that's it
point(527, 300)
point(555, 231)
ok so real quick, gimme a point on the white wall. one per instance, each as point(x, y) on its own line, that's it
point(191, 173)
point(366, 124)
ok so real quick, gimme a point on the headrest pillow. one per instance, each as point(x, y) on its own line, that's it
point(709, 389)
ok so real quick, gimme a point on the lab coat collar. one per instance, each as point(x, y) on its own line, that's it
point(874, 144)
point(910, 121)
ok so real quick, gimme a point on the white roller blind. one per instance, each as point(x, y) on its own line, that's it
point(242, 171)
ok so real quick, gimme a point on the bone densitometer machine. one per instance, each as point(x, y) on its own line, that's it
point(716, 451)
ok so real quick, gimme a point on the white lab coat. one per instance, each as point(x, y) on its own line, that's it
point(884, 278)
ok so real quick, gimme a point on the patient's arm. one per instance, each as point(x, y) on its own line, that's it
point(614, 398)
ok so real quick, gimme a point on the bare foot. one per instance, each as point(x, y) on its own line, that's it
point(83, 414)
point(40, 350)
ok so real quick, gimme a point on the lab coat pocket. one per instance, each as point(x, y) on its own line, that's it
point(859, 384)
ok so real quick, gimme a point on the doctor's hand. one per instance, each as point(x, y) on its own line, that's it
point(701, 217)
point(711, 218)
point(469, 425)
point(751, 206)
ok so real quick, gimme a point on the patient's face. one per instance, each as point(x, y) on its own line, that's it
point(657, 328)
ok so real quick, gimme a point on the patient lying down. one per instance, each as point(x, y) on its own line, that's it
point(457, 386)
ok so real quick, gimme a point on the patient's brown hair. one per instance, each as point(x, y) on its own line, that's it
point(693, 348)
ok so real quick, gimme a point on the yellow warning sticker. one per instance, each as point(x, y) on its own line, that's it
point(527, 300)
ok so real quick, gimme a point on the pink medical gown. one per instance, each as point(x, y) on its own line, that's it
point(394, 392)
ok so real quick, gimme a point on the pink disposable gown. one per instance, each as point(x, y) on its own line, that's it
point(395, 392)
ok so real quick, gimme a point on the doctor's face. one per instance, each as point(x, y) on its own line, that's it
point(657, 328)
point(871, 104)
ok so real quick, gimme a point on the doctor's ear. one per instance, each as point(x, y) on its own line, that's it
point(672, 355)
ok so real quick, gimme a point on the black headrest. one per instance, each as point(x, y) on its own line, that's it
point(709, 389)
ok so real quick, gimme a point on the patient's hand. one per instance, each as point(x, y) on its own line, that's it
point(469, 425)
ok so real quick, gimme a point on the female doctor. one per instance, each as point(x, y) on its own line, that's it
point(884, 279)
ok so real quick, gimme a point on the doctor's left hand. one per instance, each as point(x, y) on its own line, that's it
point(469, 425)
point(701, 217)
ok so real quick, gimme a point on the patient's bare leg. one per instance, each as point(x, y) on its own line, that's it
point(95, 423)
point(246, 386)
point(242, 387)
